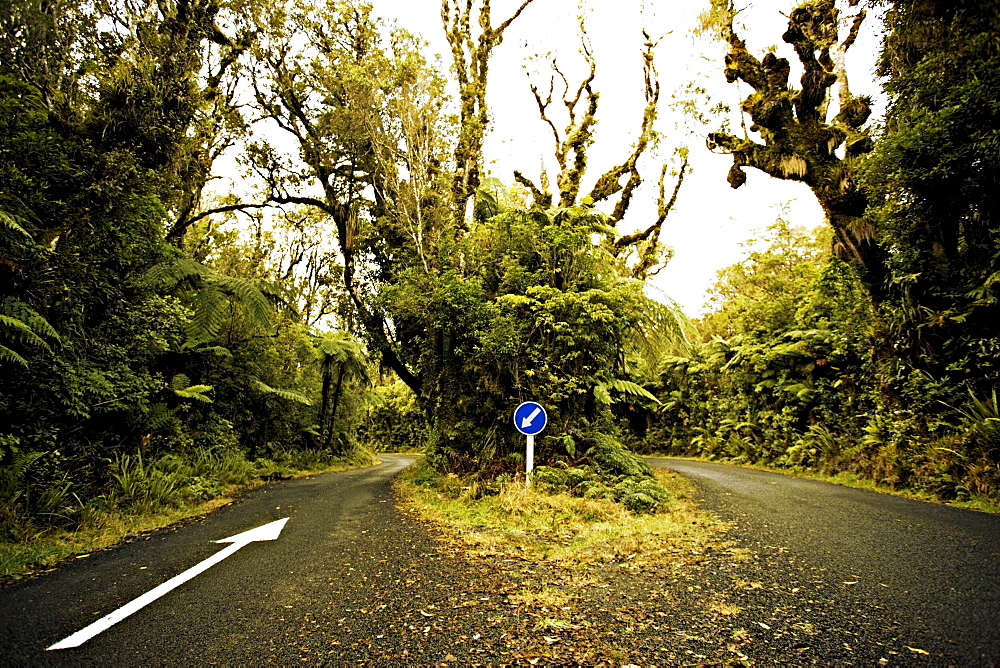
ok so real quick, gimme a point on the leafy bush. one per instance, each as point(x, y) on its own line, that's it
point(614, 473)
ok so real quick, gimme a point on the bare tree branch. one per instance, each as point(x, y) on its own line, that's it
point(470, 59)
point(647, 240)
point(542, 199)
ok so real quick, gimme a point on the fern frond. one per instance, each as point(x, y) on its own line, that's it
point(170, 274)
point(196, 392)
point(15, 329)
point(8, 355)
point(21, 311)
point(663, 330)
point(628, 387)
point(278, 295)
point(290, 395)
point(12, 475)
point(159, 416)
point(10, 222)
point(249, 296)
point(209, 314)
point(21, 324)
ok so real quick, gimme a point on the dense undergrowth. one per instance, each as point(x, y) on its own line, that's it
point(41, 524)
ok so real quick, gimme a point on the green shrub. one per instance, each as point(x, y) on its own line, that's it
point(394, 423)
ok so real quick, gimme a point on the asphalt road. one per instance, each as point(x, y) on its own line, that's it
point(923, 575)
point(835, 576)
point(349, 578)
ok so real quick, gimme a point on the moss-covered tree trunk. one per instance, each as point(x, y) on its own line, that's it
point(798, 139)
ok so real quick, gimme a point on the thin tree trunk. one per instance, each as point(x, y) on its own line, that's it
point(336, 402)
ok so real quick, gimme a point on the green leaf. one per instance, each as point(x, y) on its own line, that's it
point(290, 395)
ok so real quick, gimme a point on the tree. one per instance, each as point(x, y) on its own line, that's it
point(471, 52)
point(341, 356)
point(440, 284)
point(780, 376)
point(363, 114)
point(764, 291)
point(102, 125)
point(799, 140)
point(934, 182)
point(570, 150)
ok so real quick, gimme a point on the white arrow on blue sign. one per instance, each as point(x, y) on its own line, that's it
point(530, 418)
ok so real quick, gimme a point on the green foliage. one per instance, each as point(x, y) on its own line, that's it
point(394, 421)
point(129, 354)
point(764, 291)
point(804, 392)
point(614, 473)
point(539, 311)
point(211, 296)
point(21, 325)
point(788, 384)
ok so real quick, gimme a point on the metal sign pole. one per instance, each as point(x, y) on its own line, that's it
point(529, 460)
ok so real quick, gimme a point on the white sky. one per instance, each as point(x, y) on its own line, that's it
point(710, 219)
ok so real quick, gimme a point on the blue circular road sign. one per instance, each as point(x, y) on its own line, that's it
point(530, 418)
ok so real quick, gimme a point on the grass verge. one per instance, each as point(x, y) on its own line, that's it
point(525, 523)
point(110, 519)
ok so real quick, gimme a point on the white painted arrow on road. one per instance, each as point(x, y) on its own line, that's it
point(269, 531)
point(526, 422)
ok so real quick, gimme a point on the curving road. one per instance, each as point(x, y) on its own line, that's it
point(836, 577)
point(348, 579)
point(927, 575)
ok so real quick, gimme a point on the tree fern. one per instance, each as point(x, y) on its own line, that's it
point(210, 312)
point(210, 294)
point(248, 293)
point(663, 330)
point(341, 348)
point(168, 275)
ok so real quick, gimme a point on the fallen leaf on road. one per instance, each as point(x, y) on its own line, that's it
point(916, 651)
point(426, 614)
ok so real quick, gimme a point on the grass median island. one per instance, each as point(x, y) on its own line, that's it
point(587, 575)
point(142, 495)
point(508, 519)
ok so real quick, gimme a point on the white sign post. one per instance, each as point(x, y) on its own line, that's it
point(529, 419)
